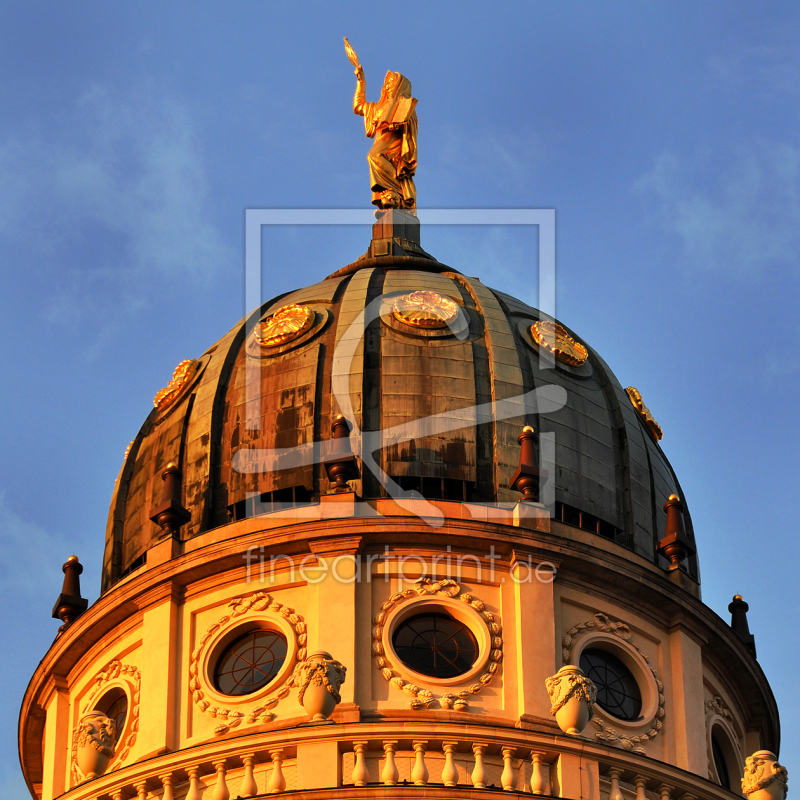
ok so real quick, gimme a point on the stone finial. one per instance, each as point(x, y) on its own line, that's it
point(764, 778)
point(739, 609)
point(676, 545)
point(341, 466)
point(572, 696)
point(318, 680)
point(70, 605)
point(170, 515)
point(528, 476)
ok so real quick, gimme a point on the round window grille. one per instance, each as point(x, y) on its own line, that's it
point(250, 662)
point(116, 708)
point(617, 690)
point(436, 645)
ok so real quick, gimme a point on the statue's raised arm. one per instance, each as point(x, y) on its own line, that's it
point(392, 123)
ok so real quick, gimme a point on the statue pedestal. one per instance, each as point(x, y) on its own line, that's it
point(394, 223)
point(396, 232)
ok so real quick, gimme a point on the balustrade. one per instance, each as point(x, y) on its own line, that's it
point(505, 760)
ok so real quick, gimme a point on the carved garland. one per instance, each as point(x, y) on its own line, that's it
point(423, 698)
point(238, 607)
point(312, 673)
point(717, 707)
point(113, 671)
point(602, 622)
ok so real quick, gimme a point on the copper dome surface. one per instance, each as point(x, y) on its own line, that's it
point(605, 463)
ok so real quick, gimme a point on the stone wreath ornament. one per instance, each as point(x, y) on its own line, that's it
point(93, 728)
point(602, 622)
point(423, 698)
point(237, 608)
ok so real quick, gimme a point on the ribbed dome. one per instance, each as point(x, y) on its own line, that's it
point(608, 473)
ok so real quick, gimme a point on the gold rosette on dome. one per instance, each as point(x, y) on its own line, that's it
point(285, 325)
point(181, 378)
point(425, 310)
point(644, 412)
point(555, 339)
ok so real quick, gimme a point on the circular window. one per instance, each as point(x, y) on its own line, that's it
point(115, 706)
point(617, 690)
point(250, 662)
point(436, 645)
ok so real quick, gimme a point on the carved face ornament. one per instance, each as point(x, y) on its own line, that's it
point(100, 731)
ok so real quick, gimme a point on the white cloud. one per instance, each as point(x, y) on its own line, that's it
point(486, 155)
point(774, 65)
point(122, 177)
point(23, 571)
point(737, 211)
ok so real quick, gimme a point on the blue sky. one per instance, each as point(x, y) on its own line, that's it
point(665, 135)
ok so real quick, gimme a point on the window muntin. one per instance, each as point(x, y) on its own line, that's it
point(618, 692)
point(250, 662)
point(436, 645)
point(116, 708)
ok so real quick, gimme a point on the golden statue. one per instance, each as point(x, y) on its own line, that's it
point(392, 122)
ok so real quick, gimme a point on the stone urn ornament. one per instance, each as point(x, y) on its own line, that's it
point(764, 778)
point(93, 743)
point(318, 680)
point(572, 695)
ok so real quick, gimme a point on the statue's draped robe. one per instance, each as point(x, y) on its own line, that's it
point(393, 157)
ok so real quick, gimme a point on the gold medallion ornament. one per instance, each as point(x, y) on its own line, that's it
point(183, 374)
point(285, 325)
point(555, 339)
point(644, 412)
point(425, 310)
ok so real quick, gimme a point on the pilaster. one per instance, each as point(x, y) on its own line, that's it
point(688, 711)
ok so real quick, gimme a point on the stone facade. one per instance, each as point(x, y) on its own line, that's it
point(334, 576)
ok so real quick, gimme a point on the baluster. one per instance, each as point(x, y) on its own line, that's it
point(194, 784)
point(614, 792)
point(664, 791)
point(390, 774)
point(166, 782)
point(449, 772)
point(249, 787)
point(420, 772)
point(508, 779)
point(277, 783)
point(118, 795)
point(141, 790)
point(640, 782)
point(479, 772)
point(221, 789)
point(537, 781)
point(360, 771)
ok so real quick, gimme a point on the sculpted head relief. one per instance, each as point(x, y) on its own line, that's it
point(764, 778)
point(93, 743)
point(572, 696)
